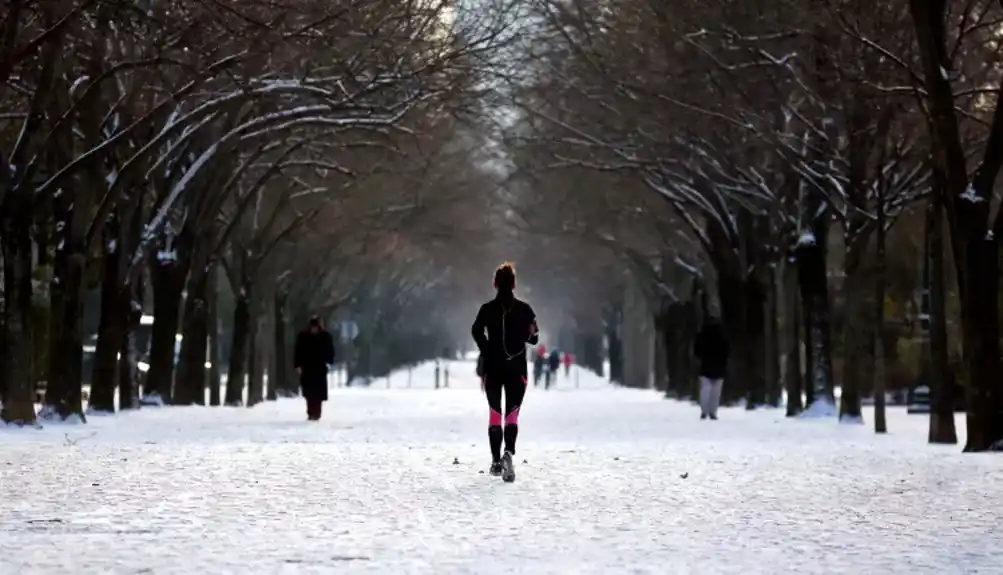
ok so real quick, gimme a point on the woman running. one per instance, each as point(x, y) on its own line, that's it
point(510, 324)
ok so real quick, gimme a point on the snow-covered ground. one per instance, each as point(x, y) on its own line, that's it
point(609, 481)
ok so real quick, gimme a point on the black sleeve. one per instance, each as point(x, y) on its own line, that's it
point(298, 352)
point(534, 329)
point(477, 330)
point(698, 345)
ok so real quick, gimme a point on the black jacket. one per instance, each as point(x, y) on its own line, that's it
point(711, 348)
point(313, 353)
point(502, 329)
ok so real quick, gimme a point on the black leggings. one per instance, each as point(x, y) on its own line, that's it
point(514, 385)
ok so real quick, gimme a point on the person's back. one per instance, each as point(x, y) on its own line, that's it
point(554, 360)
point(508, 323)
point(501, 330)
point(711, 349)
point(313, 353)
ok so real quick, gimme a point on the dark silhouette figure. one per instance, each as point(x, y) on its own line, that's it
point(314, 355)
point(711, 349)
point(502, 329)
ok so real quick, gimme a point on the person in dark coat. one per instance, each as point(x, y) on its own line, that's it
point(313, 356)
point(711, 349)
point(553, 364)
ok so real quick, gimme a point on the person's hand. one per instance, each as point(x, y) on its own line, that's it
point(299, 371)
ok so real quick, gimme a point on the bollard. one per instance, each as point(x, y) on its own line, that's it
point(436, 375)
point(447, 378)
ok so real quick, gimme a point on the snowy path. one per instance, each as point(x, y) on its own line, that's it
point(614, 481)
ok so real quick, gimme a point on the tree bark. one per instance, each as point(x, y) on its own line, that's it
point(256, 364)
point(212, 294)
point(857, 337)
point(238, 350)
point(811, 261)
point(771, 343)
point(128, 374)
point(792, 340)
point(19, 398)
point(755, 342)
point(63, 398)
point(942, 382)
point(877, 335)
point(278, 379)
point(112, 325)
point(191, 381)
point(168, 279)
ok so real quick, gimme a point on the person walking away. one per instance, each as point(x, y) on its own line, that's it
point(313, 355)
point(711, 349)
point(502, 329)
point(568, 360)
point(554, 363)
point(537, 369)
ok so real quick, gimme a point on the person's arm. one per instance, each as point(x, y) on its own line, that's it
point(534, 329)
point(477, 330)
point(698, 346)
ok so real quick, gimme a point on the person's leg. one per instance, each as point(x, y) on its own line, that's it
point(515, 391)
point(493, 392)
point(318, 409)
point(704, 397)
point(715, 396)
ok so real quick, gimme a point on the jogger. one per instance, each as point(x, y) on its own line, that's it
point(502, 329)
point(504, 429)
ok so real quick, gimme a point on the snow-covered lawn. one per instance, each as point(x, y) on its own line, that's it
point(609, 481)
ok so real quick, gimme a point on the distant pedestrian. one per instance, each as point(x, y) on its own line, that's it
point(553, 364)
point(711, 349)
point(313, 358)
point(568, 360)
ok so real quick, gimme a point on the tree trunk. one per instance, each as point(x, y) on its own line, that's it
point(19, 397)
point(113, 323)
point(128, 374)
point(732, 316)
point(278, 379)
point(256, 364)
point(212, 294)
point(238, 350)
point(131, 301)
point(967, 204)
point(771, 343)
point(168, 279)
point(191, 382)
point(755, 342)
point(811, 258)
point(980, 330)
point(857, 337)
point(65, 378)
point(942, 382)
point(877, 335)
point(792, 340)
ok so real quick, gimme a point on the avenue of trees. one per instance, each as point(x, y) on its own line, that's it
point(821, 177)
point(235, 164)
